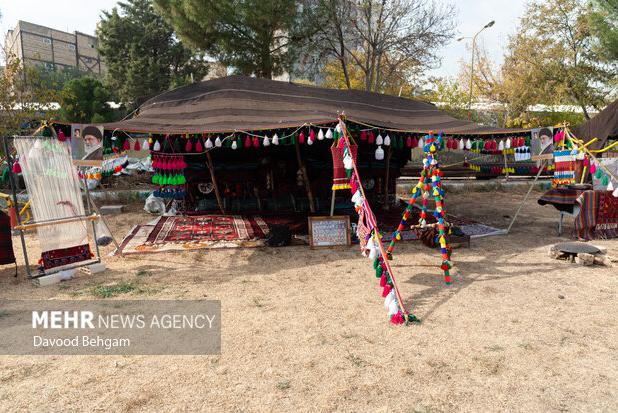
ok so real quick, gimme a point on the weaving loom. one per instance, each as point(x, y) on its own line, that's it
point(56, 202)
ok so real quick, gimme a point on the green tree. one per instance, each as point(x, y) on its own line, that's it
point(142, 54)
point(604, 25)
point(552, 59)
point(85, 100)
point(254, 37)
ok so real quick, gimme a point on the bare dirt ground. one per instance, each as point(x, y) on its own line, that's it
point(306, 330)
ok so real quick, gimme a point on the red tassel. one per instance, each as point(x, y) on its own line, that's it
point(415, 142)
point(198, 146)
point(311, 135)
point(372, 138)
point(397, 318)
point(256, 142)
point(409, 141)
point(248, 142)
point(61, 136)
point(188, 146)
point(386, 291)
point(16, 168)
point(136, 145)
point(383, 280)
point(363, 135)
point(301, 138)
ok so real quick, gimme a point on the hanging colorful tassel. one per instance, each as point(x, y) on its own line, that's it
point(247, 142)
point(145, 145)
point(218, 142)
point(198, 146)
point(379, 153)
point(301, 138)
point(379, 140)
point(136, 145)
point(363, 135)
point(387, 140)
point(256, 142)
point(234, 144)
point(321, 135)
point(266, 141)
point(397, 318)
point(188, 146)
point(126, 145)
point(276, 139)
point(386, 290)
point(16, 169)
point(157, 146)
point(409, 141)
point(329, 134)
point(209, 144)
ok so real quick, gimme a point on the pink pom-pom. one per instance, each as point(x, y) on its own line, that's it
point(593, 168)
point(397, 318)
point(311, 135)
point(16, 168)
point(382, 280)
point(386, 291)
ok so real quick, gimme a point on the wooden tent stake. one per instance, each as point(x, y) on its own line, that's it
point(211, 168)
point(303, 170)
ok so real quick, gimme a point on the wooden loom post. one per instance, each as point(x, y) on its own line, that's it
point(303, 170)
point(211, 168)
point(377, 232)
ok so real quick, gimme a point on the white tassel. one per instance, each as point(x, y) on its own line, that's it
point(461, 145)
point(145, 145)
point(266, 141)
point(372, 251)
point(157, 146)
point(387, 140)
point(208, 143)
point(234, 145)
point(329, 134)
point(501, 145)
point(468, 144)
point(393, 308)
point(309, 141)
point(357, 197)
point(379, 153)
point(421, 143)
point(507, 145)
point(275, 140)
point(615, 193)
point(379, 140)
point(610, 186)
point(389, 298)
point(348, 163)
point(321, 135)
point(218, 142)
point(338, 128)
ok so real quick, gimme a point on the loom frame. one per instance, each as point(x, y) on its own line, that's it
point(30, 274)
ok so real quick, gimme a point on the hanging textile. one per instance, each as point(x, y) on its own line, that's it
point(53, 186)
point(340, 177)
point(6, 243)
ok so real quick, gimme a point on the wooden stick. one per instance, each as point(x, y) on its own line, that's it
point(303, 170)
point(211, 168)
point(26, 227)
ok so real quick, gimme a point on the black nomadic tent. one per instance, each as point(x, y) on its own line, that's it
point(604, 126)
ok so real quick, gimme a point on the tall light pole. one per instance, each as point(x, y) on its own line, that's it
point(488, 25)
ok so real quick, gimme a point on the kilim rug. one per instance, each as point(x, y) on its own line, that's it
point(182, 233)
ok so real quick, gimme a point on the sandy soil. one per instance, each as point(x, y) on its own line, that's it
point(305, 330)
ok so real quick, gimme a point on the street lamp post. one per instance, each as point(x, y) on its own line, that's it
point(488, 25)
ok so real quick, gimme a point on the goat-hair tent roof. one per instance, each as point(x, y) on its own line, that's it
point(603, 126)
point(239, 103)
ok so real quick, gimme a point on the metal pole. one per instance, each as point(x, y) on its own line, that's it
point(472, 75)
point(527, 195)
point(94, 225)
point(9, 162)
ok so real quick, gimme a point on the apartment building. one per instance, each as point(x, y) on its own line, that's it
point(34, 44)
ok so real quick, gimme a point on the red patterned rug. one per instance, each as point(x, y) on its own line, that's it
point(183, 233)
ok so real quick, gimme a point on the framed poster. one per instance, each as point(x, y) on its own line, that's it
point(329, 231)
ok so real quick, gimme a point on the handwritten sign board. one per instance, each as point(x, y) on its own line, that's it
point(329, 231)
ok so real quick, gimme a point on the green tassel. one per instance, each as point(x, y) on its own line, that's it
point(376, 263)
point(605, 180)
point(413, 319)
point(597, 174)
point(379, 271)
point(155, 179)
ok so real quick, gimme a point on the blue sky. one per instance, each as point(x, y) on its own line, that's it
point(82, 15)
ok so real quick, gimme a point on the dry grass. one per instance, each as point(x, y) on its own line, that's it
point(306, 330)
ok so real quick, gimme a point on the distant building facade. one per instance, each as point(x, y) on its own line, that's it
point(34, 44)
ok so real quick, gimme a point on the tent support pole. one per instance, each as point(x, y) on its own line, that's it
point(303, 170)
point(536, 178)
point(386, 206)
point(211, 168)
point(332, 204)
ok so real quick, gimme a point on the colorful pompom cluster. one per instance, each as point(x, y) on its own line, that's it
point(169, 176)
point(429, 186)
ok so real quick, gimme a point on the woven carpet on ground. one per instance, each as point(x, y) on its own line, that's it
point(181, 233)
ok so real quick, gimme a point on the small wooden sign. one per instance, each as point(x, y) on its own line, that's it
point(329, 231)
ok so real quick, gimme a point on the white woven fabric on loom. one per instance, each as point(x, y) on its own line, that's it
point(53, 186)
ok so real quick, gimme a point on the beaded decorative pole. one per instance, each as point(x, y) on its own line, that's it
point(429, 185)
